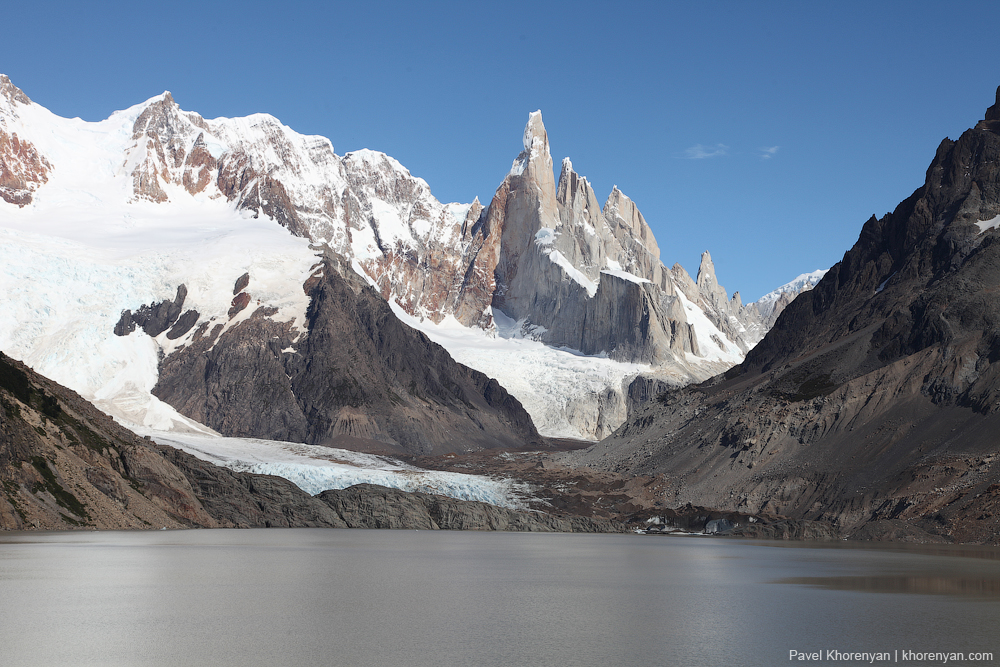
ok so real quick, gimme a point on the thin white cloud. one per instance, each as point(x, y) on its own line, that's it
point(768, 153)
point(700, 152)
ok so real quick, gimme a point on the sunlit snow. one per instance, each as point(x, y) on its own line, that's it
point(557, 386)
point(986, 225)
point(314, 468)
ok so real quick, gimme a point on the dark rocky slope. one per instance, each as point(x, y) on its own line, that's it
point(358, 375)
point(874, 402)
point(66, 465)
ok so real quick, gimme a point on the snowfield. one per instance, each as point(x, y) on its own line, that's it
point(557, 386)
point(67, 281)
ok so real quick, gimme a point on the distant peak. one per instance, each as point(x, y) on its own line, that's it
point(163, 98)
point(617, 198)
point(536, 145)
point(706, 270)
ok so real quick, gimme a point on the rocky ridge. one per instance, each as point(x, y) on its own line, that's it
point(590, 277)
point(434, 260)
point(872, 402)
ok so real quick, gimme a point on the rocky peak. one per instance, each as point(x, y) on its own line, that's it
point(707, 282)
point(12, 93)
point(535, 136)
point(471, 218)
point(584, 238)
point(535, 162)
point(637, 250)
point(163, 119)
point(625, 220)
point(169, 147)
point(991, 121)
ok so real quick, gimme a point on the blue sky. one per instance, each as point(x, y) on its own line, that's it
point(764, 132)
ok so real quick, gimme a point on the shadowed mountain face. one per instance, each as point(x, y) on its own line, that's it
point(874, 402)
point(357, 375)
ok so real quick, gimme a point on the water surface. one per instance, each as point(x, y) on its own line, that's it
point(357, 597)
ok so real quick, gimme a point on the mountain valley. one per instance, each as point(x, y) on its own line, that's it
point(230, 277)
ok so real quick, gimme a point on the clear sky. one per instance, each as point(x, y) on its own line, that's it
point(764, 132)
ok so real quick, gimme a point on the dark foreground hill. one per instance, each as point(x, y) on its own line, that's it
point(64, 465)
point(874, 402)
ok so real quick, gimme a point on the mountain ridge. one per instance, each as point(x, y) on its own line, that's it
point(872, 402)
point(129, 174)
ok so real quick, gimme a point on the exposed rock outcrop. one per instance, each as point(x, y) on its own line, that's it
point(22, 168)
point(64, 464)
point(156, 318)
point(372, 506)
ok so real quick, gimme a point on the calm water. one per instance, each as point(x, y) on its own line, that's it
point(357, 597)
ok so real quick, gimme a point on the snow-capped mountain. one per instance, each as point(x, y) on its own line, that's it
point(159, 225)
point(773, 303)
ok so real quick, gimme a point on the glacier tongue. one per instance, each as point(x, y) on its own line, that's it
point(314, 468)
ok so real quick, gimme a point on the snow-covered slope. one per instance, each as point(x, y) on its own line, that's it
point(67, 274)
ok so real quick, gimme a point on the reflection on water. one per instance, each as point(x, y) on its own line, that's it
point(924, 585)
point(959, 570)
point(975, 551)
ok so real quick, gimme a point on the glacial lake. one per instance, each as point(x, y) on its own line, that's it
point(367, 597)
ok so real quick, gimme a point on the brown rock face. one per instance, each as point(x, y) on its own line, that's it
point(239, 181)
point(874, 401)
point(22, 169)
point(199, 167)
point(240, 302)
point(163, 132)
